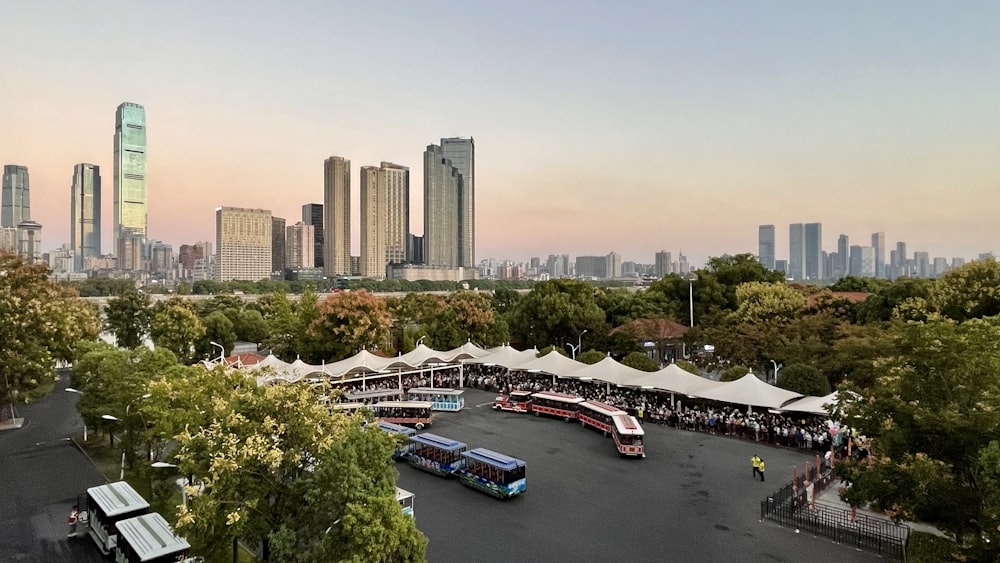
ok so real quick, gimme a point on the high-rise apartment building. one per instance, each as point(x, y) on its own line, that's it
point(442, 183)
point(85, 213)
point(814, 251)
point(129, 222)
point(337, 216)
point(299, 246)
point(922, 264)
point(796, 252)
point(277, 247)
point(15, 197)
point(462, 154)
point(765, 246)
point(373, 225)
point(663, 264)
point(394, 184)
point(878, 243)
point(843, 257)
point(385, 217)
point(312, 214)
point(243, 243)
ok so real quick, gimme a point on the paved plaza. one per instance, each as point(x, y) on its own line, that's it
point(692, 499)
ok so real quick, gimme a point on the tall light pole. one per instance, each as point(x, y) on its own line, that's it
point(78, 392)
point(419, 340)
point(691, 277)
point(222, 350)
point(579, 344)
point(777, 366)
point(121, 477)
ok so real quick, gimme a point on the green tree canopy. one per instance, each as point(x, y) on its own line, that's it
point(969, 292)
point(177, 328)
point(556, 311)
point(347, 323)
point(641, 361)
point(591, 357)
point(767, 301)
point(127, 316)
point(803, 379)
point(734, 373)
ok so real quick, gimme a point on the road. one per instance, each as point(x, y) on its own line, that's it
point(692, 499)
point(42, 473)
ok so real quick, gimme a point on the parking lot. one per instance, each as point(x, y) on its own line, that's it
point(692, 499)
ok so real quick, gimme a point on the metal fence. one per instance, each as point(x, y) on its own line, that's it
point(789, 506)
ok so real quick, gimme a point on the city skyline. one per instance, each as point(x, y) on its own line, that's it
point(648, 127)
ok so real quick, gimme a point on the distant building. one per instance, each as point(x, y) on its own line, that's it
point(336, 216)
point(277, 247)
point(878, 244)
point(442, 184)
point(15, 197)
point(413, 272)
point(814, 251)
point(940, 266)
point(129, 220)
point(796, 252)
point(840, 268)
point(765, 246)
point(243, 243)
point(663, 264)
point(312, 214)
point(85, 213)
point(299, 246)
point(29, 241)
point(862, 261)
point(462, 154)
point(781, 266)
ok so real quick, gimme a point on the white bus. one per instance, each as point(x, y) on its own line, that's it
point(598, 415)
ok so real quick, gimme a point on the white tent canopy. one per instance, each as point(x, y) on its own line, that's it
point(676, 380)
point(504, 356)
point(466, 351)
point(417, 357)
point(552, 363)
point(749, 390)
point(608, 370)
point(813, 405)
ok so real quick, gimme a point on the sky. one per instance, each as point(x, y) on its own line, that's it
point(630, 126)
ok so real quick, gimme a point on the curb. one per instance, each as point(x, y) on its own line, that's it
point(90, 459)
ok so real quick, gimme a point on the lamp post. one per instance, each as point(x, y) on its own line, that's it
point(777, 366)
point(128, 407)
point(222, 350)
point(691, 277)
point(419, 340)
point(579, 344)
point(182, 482)
point(78, 392)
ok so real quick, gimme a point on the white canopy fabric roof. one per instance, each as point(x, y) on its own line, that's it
point(749, 390)
point(814, 405)
point(676, 380)
point(609, 371)
point(418, 357)
point(466, 351)
point(505, 356)
point(552, 363)
point(362, 362)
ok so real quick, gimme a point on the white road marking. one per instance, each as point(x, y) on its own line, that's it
point(484, 404)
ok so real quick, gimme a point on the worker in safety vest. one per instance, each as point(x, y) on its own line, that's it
point(758, 467)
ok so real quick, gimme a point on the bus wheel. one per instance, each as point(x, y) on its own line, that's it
point(420, 426)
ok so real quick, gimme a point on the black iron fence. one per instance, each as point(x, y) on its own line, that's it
point(794, 505)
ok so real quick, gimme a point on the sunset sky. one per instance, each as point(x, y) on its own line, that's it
point(599, 126)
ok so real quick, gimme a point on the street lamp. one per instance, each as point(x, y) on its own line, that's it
point(121, 477)
point(691, 277)
point(78, 392)
point(181, 482)
point(419, 340)
point(222, 350)
point(777, 366)
point(579, 344)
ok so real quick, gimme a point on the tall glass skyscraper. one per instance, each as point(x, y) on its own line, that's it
point(878, 243)
point(796, 252)
point(129, 224)
point(442, 184)
point(85, 213)
point(312, 215)
point(765, 246)
point(462, 154)
point(814, 251)
point(16, 199)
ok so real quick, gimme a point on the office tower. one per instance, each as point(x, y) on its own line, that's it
point(188, 254)
point(462, 154)
point(442, 183)
point(901, 253)
point(814, 251)
point(614, 267)
point(765, 246)
point(843, 256)
point(129, 222)
point(922, 264)
point(299, 247)
point(85, 214)
point(373, 225)
point(986, 256)
point(243, 242)
point(312, 214)
point(337, 216)
point(16, 198)
point(663, 264)
point(862, 263)
point(29, 241)
point(554, 265)
point(878, 243)
point(939, 267)
point(394, 185)
point(781, 266)
point(161, 256)
point(957, 262)
point(796, 252)
point(277, 247)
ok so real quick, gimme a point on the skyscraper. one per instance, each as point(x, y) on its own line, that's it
point(796, 252)
point(385, 217)
point(277, 247)
point(299, 246)
point(129, 224)
point(765, 246)
point(312, 214)
point(814, 251)
point(878, 243)
point(664, 264)
point(373, 225)
point(337, 216)
point(85, 213)
point(442, 183)
point(16, 199)
point(394, 183)
point(243, 243)
point(843, 248)
point(462, 154)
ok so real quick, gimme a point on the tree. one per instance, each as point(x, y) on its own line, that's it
point(218, 329)
point(641, 361)
point(40, 322)
point(127, 316)
point(689, 367)
point(347, 323)
point(282, 324)
point(505, 299)
point(803, 379)
point(556, 311)
point(176, 328)
point(931, 414)
point(969, 292)
point(766, 302)
point(879, 306)
point(590, 357)
point(734, 373)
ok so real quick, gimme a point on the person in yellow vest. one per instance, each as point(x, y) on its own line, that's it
point(758, 467)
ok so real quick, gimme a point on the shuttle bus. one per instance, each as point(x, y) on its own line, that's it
point(628, 434)
point(598, 415)
point(555, 404)
point(108, 504)
point(149, 539)
point(405, 499)
point(493, 473)
point(436, 454)
point(515, 401)
point(401, 433)
point(411, 413)
point(440, 398)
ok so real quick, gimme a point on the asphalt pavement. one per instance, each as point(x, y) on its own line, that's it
point(693, 498)
point(41, 473)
